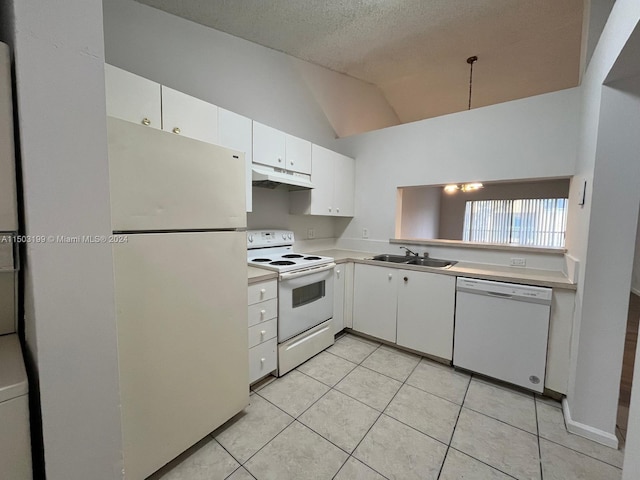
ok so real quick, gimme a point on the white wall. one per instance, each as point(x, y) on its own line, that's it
point(593, 394)
point(271, 210)
point(531, 138)
point(418, 210)
point(606, 161)
point(69, 302)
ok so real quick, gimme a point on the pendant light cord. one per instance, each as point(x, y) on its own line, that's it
point(471, 61)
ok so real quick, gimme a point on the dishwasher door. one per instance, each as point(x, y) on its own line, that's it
point(501, 331)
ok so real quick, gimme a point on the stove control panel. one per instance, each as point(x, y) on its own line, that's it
point(264, 238)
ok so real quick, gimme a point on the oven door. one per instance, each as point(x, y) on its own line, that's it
point(305, 300)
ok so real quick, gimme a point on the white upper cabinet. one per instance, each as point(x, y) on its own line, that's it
point(344, 173)
point(188, 116)
point(235, 131)
point(132, 98)
point(298, 154)
point(269, 146)
point(278, 149)
point(333, 178)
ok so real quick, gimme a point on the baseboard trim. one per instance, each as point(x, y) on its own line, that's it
point(587, 431)
point(636, 291)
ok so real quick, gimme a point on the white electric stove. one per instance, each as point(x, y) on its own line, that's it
point(305, 295)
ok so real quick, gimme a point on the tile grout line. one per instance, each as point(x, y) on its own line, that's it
point(488, 416)
point(454, 428)
point(535, 405)
point(580, 452)
point(369, 429)
point(504, 422)
point(377, 418)
point(555, 442)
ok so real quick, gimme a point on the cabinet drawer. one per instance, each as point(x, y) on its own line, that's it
point(262, 359)
point(263, 291)
point(262, 332)
point(260, 312)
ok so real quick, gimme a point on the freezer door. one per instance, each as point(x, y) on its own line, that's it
point(161, 181)
point(181, 301)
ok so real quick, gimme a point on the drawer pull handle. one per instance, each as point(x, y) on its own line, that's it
point(262, 312)
point(391, 275)
point(146, 121)
point(262, 360)
point(263, 333)
point(263, 291)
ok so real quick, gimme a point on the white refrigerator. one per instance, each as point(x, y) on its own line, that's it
point(178, 216)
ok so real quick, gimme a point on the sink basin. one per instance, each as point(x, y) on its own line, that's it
point(392, 258)
point(431, 262)
point(422, 261)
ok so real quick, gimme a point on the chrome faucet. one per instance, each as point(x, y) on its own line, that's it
point(410, 252)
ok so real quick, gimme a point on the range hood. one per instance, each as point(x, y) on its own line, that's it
point(272, 178)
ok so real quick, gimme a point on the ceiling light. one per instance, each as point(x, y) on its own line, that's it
point(467, 187)
point(451, 188)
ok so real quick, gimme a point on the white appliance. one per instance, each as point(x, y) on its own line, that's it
point(15, 443)
point(178, 216)
point(305, 295)
point(501, 331)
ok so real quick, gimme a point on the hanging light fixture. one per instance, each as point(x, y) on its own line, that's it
point(466, 187)
point(471, 61)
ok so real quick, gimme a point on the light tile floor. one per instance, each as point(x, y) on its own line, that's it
point(361, 411)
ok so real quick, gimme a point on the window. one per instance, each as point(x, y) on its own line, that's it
point(539, 222)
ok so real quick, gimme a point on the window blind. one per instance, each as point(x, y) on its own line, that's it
point(533, 222)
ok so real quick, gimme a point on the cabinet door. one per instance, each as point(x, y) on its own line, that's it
point(338, 298)
point(322, 179)
point(132, 98)
point(268, 146)
point(298, 154)
point(188, 116)
point(374, 302)
point(235, 131)
point(426, 303)
point(344, 189)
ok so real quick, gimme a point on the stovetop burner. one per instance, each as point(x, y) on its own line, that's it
point(273, 250)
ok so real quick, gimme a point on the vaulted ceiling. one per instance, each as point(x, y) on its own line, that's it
point(415, 51)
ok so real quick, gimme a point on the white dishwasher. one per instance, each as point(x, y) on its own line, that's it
point(501, 330)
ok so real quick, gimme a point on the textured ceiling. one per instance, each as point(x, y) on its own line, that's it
point(415, 51)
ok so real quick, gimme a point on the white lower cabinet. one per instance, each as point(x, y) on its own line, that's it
point(426, 307)
point(410, 308)
point(338, 298)
point(375, 300)
point(263, 329)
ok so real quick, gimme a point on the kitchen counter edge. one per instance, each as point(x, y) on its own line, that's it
point(525, 276)
point(257, 275)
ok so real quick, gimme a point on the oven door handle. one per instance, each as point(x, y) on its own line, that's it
point(308, 271)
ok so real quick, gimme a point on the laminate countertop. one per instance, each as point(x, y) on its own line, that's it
point(257, 275)
point(500, 273)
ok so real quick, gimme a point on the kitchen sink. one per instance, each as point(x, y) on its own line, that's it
point(422, 261)
point(392, 258)
point(431, 262)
